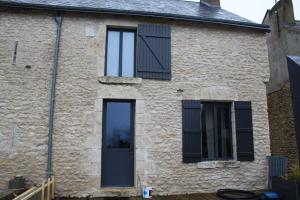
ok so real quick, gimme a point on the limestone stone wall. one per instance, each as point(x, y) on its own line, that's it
point(208, 62)
point(282, 127)
point(24, 93)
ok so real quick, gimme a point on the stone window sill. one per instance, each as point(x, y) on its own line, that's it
point(218, 164)
point(119, 80)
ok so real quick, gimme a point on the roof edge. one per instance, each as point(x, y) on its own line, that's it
point(293, 58)
point(265, 16)
point(250, 25)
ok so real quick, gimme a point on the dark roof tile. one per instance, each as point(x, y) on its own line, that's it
point(178, 9)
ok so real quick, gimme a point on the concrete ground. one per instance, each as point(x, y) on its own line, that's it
point(171, 197)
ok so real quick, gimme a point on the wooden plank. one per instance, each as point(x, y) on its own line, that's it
point(25, 193)
point(43, 191)
point(48, 189)
point(52, 189)
point(31, 194)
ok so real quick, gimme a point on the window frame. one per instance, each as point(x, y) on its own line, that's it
point(120, 66)
point(215, 105)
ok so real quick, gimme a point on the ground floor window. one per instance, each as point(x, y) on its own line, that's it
point(216, 131)
point(207, 131)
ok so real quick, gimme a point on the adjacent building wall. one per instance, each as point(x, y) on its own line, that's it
point(283, 40)
point(208, 62)
point(282, 127)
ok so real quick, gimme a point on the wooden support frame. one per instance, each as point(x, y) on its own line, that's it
point(45, 188)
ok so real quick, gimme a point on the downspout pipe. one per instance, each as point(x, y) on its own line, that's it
point(58, 20)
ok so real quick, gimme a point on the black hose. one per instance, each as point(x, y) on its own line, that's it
point(232, 194)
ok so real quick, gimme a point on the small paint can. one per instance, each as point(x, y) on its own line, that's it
point(147, 192)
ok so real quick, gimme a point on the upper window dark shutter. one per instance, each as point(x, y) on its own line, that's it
point(154, 51)
point(191, 127)
point(244, 131)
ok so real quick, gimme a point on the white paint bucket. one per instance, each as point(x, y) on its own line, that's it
point(147, 192)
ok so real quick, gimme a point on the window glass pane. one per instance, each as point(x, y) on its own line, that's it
point(128, 54)
point(224, 131)
point(113, 46)
point(216, 131)
point(208, 141)
point(118, 125)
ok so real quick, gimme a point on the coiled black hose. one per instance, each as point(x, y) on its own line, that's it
point(232, 194)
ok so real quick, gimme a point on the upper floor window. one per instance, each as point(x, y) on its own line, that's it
point(144, 52)
point(120, 53)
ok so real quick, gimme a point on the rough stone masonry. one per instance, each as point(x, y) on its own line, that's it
point(209, 62)
point(282, 43)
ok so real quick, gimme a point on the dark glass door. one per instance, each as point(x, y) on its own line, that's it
point(117, 144)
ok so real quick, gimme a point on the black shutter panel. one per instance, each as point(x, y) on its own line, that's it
point(294, 74)
point(191, 128)
point(153, 51)
point(244, 131)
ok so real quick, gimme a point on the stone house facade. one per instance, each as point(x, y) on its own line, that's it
point(187, 115)
point(282, 41)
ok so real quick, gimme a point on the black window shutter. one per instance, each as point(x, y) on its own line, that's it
point(244, 131)
point(191, 131)
point(153, 54)
point(294, 74)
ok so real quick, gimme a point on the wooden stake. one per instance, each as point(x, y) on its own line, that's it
point(43, 191)
point(48, 189)
point(52, 196)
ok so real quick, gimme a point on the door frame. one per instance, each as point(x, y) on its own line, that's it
point(103, 135)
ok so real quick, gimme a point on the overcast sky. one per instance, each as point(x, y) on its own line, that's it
point(254, 10)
